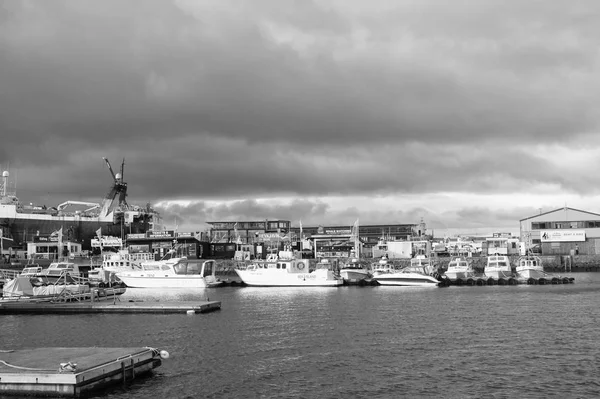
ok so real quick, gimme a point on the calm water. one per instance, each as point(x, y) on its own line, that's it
point(363, 342)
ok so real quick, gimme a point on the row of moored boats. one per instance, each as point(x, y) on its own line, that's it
point(140, 270)
point(286, 270)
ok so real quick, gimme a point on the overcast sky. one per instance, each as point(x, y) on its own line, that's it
point(468, 114)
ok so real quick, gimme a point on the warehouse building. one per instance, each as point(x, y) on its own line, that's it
point(563, 231)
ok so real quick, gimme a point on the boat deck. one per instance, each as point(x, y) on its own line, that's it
point(71, 371)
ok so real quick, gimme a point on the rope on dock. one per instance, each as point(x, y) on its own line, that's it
point(24, 368)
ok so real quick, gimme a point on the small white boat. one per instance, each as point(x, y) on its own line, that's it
point(354, 272)
point(172, 273)
point(498, 266)
point(384, 266)
point(530, 266)
point(124, 260)
point(117, 262)
point(57, 271)
point(420, 273)
point(284, 270)
point(459, 267)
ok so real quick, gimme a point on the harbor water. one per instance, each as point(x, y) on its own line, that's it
point(351, 342)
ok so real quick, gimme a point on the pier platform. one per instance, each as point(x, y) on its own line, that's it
point(20, 307)
point(69, 372)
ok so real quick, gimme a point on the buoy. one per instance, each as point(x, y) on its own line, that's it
point(191, 312)
point(164, 354)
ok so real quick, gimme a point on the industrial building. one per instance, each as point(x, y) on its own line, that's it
point(325, 241)
point(563, 231)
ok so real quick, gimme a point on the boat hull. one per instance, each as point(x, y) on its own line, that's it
point(453, 275)
point(281, 278)
point(354, 275)
point(407, 279)
point(531, 273)
point(498, 273)
point(185, 281)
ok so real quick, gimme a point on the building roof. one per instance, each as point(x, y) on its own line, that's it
point(564, 208)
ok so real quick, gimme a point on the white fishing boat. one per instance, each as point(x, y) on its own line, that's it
point(117, 262)
point(354, 272)
point(172, 273)
point(459, 267)
point(419, 274)
point(383, 266)
point(530, 266)
point(284, 270)
point(498, 266)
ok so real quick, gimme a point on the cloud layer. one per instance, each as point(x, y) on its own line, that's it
point(468, 115)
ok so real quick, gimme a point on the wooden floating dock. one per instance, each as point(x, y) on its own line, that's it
point(19, 307)
point(69, 372)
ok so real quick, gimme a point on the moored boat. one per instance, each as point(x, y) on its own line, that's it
point(116, 262)
point(383, 266)
point(175, 272)
point(498, 266)
point(459, 267)
point(285, 270)
point(353, 272)
point(530, 266)
point(418, 274)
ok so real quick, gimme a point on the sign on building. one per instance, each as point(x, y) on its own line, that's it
point(107, 241)
point(562, 235)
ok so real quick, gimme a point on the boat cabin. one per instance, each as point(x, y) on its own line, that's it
point(498, 261)
point(383, 266)
point(530, 262)
point(285, 261)
point(31, 271)
point(180, 266)
point(126, 260)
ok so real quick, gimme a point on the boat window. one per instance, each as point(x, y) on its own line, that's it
point(284, 265)
point(180, 268)
point(151, 267)
point(279, 265)
point(164, 267)
point(208, 268)
point(193, 268)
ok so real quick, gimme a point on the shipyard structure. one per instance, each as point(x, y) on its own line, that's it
point(72, 221)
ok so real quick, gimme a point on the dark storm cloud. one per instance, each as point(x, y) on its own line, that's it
point(231, 100)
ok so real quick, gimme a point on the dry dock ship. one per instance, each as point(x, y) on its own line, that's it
point(113, 216)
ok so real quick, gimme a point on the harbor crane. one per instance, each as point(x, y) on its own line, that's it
point(119, 188)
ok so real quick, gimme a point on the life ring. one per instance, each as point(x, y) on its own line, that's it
point(300, 266)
